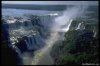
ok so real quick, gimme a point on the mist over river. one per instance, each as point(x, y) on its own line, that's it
point(32, 33)
point(28, 32)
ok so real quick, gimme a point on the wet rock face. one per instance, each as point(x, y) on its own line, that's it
point(22, 46)
point(9, 56)
point(30, 43)
point(27, 33)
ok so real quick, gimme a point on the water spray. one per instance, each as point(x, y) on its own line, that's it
point(60, 21)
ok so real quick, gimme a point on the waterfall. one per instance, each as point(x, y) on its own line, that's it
point(50, 24)
point(78, 27)
point(19, 52)
point(95, 33)
point(66, 27)
point(39, 54)
point(33, 43)
point(57, 24)
point(27, 44)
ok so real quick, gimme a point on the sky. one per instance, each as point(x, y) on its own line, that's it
point(53, 2)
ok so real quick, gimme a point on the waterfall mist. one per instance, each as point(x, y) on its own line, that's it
point(59, 24)
point(33, 31)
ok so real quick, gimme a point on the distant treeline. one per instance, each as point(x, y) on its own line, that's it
point(43, 7)
point(35, 7)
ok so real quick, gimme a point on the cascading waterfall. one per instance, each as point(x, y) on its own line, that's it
point(52, 25)
point(18, 29)
point(19, 52)
point(39, 54)
point(78, 26)
point(59, 22)
point(28, 43)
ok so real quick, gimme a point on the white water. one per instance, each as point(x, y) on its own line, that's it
point(94, 33)
point(66, 20)
point(28, 44)
point(40, 53)
point(79, 25)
